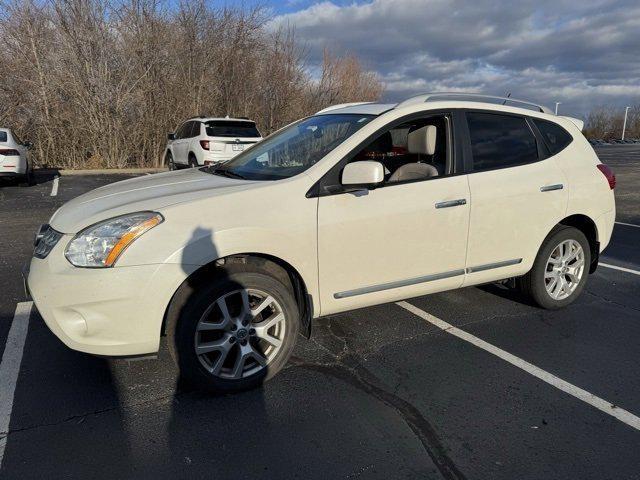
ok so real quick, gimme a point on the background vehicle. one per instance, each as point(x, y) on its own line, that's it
point(208, 141)
point(13, 156)
point(355, 206)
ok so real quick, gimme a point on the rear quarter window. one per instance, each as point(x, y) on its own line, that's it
point(556, 137)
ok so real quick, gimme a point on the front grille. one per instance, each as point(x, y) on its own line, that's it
point(45, 240)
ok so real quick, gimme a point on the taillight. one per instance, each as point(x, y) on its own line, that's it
point(204, 144)
point(9, 151)
point(608, 173)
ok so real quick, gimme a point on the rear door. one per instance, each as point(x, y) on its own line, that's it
point(518, 195)
point(181, 143)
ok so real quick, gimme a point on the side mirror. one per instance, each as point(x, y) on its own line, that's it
point(366, 174)
point(171, 136)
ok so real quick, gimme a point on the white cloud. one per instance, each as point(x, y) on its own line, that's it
point(581, 53)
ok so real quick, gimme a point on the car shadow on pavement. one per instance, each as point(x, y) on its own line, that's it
point(507, 293)
point(65, 410)
point(218, 442)
point(45, 175)
point(38, 177)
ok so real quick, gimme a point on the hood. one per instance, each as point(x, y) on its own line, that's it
point(150, 192)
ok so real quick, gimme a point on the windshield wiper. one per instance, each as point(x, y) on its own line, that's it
point(226, 173)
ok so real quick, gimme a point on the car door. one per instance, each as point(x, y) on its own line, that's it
point(181, 143)
point(393, 242)
point(518, 194)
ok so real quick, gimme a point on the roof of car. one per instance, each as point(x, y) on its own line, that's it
point(220, 119)
point(371, 108)
point(360, 108)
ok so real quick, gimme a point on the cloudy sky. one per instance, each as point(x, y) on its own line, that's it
point(582, 53)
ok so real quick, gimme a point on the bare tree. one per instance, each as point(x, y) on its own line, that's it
point(99, 83)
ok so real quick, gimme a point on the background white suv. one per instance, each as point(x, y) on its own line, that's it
point(13, 156)
point(351, 207)
point(208, 141)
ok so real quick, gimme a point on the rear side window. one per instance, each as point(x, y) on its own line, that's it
point(195, 129)
point(556, 137)
point(499, 141)
point(223, 128)
point(3, 136)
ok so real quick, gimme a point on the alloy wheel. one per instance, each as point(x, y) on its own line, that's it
point(240, 334)
point(564, 269)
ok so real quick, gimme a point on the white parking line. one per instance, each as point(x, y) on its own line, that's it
point(10, 367)
point(54, 188)
point(622, 269)
point(597, 402)
point(627, 224)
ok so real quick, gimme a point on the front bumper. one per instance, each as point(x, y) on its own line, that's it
point(105, 311)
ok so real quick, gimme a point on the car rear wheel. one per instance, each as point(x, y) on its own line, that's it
point(193, 162)
point(560, 270)
point(235, 333)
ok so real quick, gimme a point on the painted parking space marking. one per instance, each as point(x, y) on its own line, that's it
point(10, 367)
point(577, 392)
point(54, 188)
point(622, 269)
point(627, 224)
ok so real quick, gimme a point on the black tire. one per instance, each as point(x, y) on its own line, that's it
point(533, 283)
point(171, 164)
point(195, 300)
point(193, 162)
point(26, 180)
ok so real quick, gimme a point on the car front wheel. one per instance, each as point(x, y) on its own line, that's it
point(235, 333)
point(560, 270)
point(171, 164)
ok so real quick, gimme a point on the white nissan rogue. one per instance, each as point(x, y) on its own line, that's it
point(357, 205)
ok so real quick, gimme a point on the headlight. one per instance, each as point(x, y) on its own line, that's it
point(101, 244)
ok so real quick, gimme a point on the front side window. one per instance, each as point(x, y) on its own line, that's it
point(500, 141)
point(556, 137)
point(293, 149)
point(412, 151)
point(226, 128)
point(184, 130)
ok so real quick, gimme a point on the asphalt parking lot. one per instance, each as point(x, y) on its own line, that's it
point(473, 383)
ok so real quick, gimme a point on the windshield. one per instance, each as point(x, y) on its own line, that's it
point(3, 136)
point(225, 128)
point(295, 148)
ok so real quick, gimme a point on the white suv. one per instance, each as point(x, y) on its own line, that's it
point(208, 141)
point(354, 206)
point(13, 156)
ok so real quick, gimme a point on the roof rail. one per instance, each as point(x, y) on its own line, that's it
point(341, 105)
point(473, 97)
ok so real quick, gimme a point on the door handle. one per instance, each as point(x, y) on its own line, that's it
point(550, 188)
point(451, 203)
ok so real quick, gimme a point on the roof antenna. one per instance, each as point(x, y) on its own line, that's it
point(508, 96)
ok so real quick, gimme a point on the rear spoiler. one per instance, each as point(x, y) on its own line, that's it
point(576, 121)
